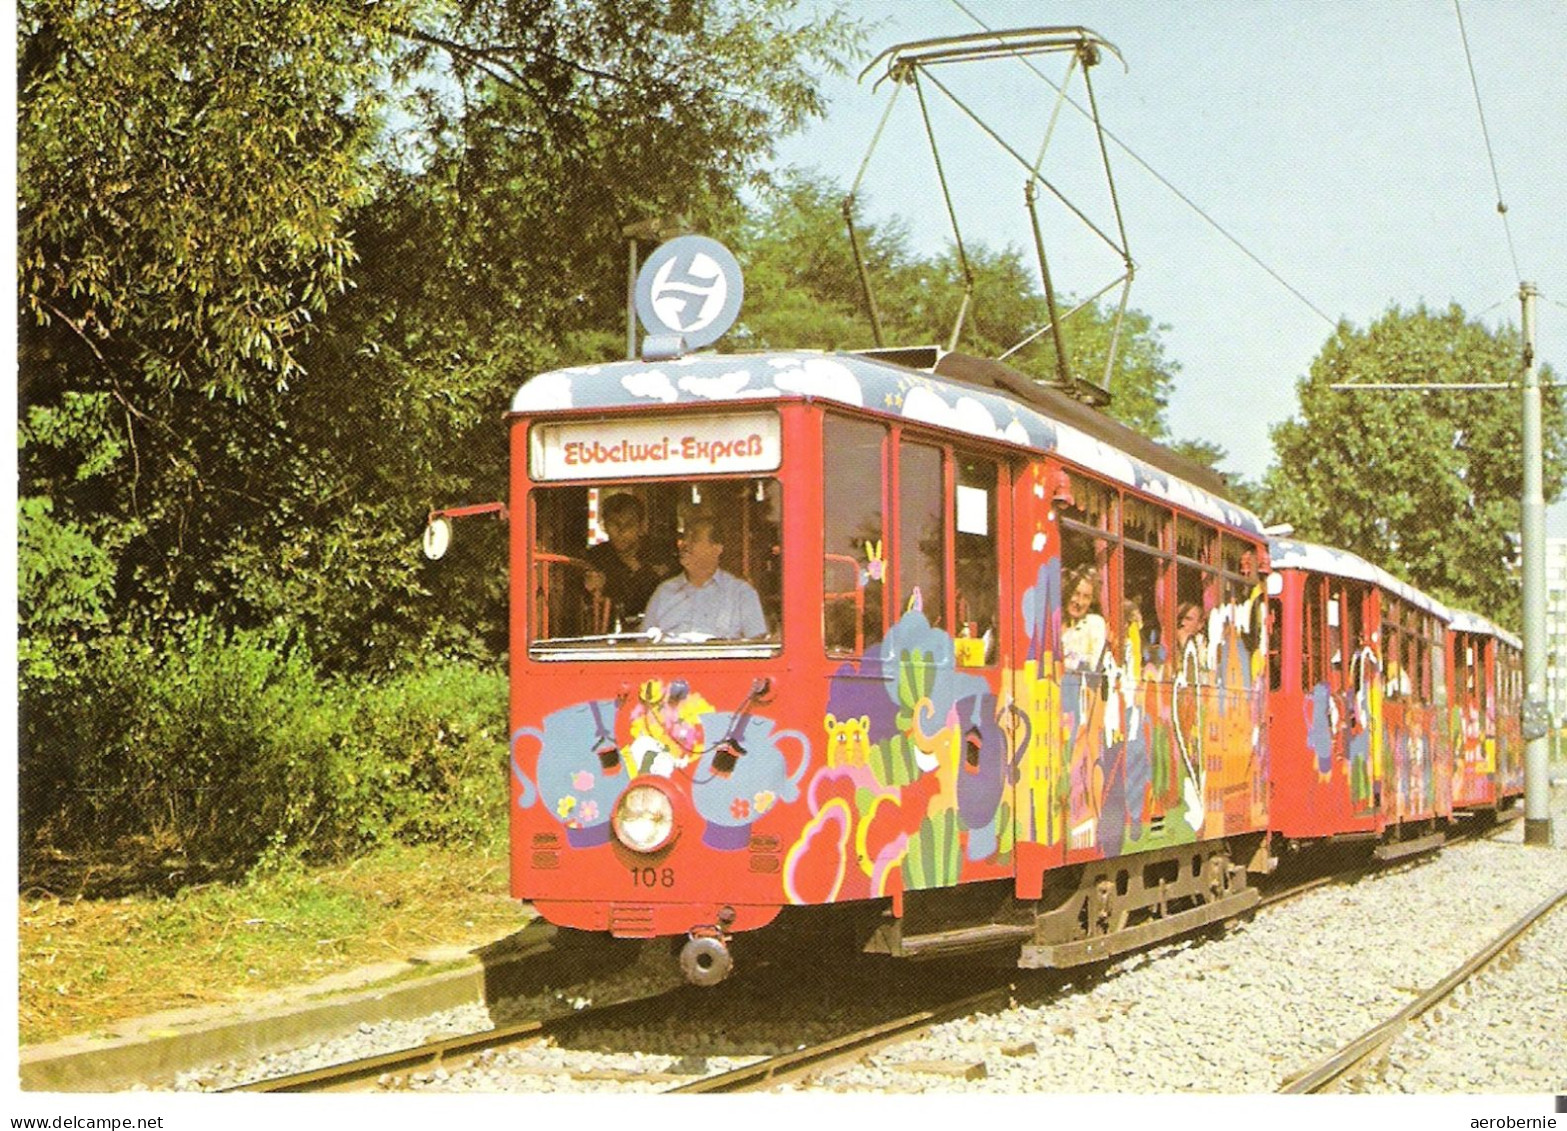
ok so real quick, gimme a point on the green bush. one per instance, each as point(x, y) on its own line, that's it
point(220, 749)
point(419, 758)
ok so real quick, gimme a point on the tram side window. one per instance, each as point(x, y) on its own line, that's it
point(1415, 652)
point(1196, 586)
point(922, 532)
point(1243, 591)
point(1236, 558)
point(1275, 644)
point(1146, 582)
point(1396, 652)
point(1427, 671)
point(1085, 572)
point(1394, 682)
point(1334, 642)
point(1092, 504)
point(978, 595)
point(1140, 619)
point(1354, 627)
point(1313, 638)
point(854, 562)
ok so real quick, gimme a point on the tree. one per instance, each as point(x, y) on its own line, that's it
point(498, 251)
point(1425, 484)
point(1247, 492)
point(266, 323)
point(185, 175)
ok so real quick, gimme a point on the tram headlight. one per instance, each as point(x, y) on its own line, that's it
point(644, 819)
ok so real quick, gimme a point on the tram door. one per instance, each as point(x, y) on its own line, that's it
point(994, 731)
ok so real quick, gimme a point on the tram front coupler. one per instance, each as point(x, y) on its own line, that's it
point(705, 959)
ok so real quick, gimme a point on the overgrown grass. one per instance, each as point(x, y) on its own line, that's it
point(87, 965)
point(208, 816)
point(155, 765)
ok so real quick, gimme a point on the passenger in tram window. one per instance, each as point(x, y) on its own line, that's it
point(1253, 619)
point(1396, 685)
point(1082, 629)
point(622, 569)
point(705, 599)
point(1188, 627)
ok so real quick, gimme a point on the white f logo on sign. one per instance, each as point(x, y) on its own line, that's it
point(689, 294)
point(691, 287)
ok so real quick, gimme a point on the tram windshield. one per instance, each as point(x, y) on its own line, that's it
point(619, 567)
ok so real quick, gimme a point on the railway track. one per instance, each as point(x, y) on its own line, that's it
point(1330, 1070)
point(828, 1054)
point(392, 1070)
point(455, 1052)
point(395, 1069)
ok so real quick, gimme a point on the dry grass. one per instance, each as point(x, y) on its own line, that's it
point(86, 965)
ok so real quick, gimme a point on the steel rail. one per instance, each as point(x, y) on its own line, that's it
point(813, 1058)
point(1341, 1063)
point(458, 1051)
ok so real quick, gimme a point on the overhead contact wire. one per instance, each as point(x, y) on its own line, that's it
point(1501, 206)
point(1163, 180)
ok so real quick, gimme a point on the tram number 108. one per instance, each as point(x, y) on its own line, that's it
point(652, 877)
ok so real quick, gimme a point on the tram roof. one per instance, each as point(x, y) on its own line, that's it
point(1465, 621)
point(963, 394)
point(1288, 553)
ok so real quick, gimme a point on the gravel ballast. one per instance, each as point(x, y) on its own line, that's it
point(1248, 1010)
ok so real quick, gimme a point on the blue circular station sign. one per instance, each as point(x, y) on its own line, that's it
point(690, 287)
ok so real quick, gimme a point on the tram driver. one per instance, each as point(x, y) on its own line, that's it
point(703, 598)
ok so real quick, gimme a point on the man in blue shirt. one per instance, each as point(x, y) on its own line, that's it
point(705, 599)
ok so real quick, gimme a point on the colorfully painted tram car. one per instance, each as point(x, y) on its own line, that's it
point(1387, 710)
point(1485, 697)
point(1002, 682)
point(1358, 705)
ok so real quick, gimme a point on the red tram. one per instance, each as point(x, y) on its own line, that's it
point(1485, 691)
point(1006, 684)
point(1357, 711)
point(1388, 712)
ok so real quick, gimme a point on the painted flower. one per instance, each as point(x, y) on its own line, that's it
point(582, 780)
point(740, 809)
point(590, 811)
point(565, 805)
point(764, 801)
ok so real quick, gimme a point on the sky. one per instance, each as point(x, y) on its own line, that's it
point(1339, 143)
